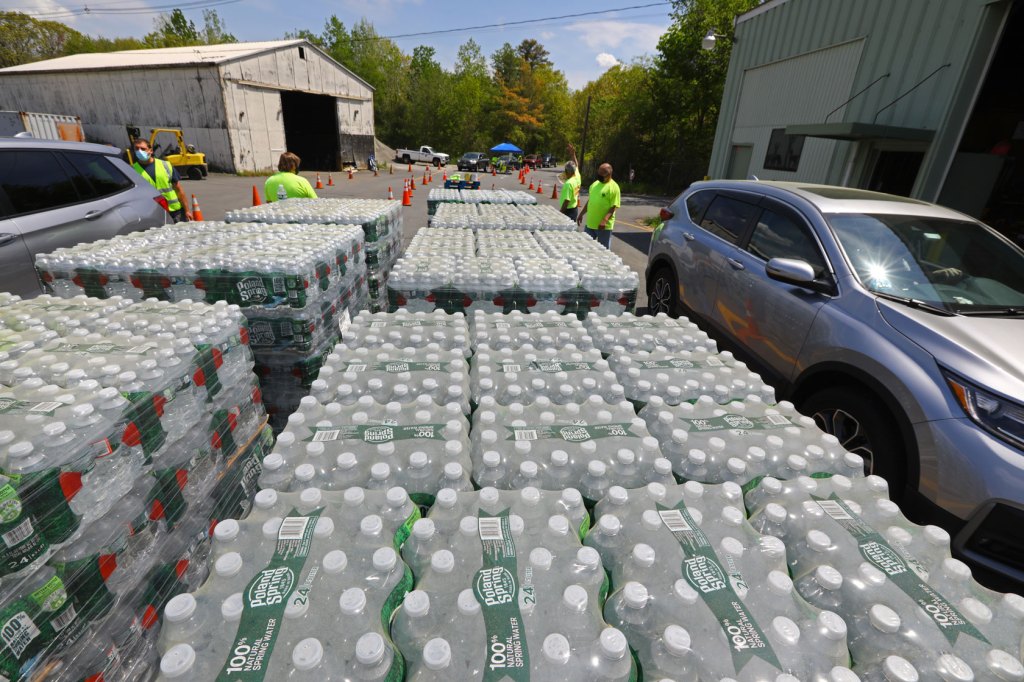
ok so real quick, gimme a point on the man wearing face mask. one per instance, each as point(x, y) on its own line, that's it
point(164, 178)
point(604, 197)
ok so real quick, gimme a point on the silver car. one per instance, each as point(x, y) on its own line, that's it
point(893, 322)
point(55, 194)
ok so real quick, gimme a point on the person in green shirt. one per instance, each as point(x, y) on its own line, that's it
point(570, 196)
point(603, 198)
point(286, 183)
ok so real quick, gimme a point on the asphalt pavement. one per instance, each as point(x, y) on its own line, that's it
point(220, 193)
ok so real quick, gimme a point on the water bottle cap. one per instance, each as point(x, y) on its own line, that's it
point(352, 601)
point(307, 654)
point(1014, 603)
point(354, 497)
point(446, 498)
point(575, 598)
point(786, 630)
point(324, 527)
point(853, 461)
point(643, 555)
point(231, 607)
point(442, 561)
point(635, 595)
point(334, 562)
point(453, 448)
point(315, 449)
point(786, 677)
point(832, 625)
point(588, 447)
point(371, 525)
point(21, 449)
point(516, 524)
point(938, 537)
point(287, 438)
point(379, 471)
point(528, 469)
point(1004, 666)
point(228, 565)
point(596, 468)
point(468, 525)
point(571, 498)
point(818, 541)
point(976, 611)
point(618, 495)
point(897, 669)
point(732, 516)
point(467, 603)
point(370, 649)
point(178, 661)
point(558, 525)
point(613, 644)
point(883, 618)
point(305, 472)
point(731, 546)
point(609, 524)
point(271, 526)
point(437, 654)
point(540, 558)
point(273, 461)
point(226, 531)
point(556, 649)
point(180, 608)
point(697, 457)
point(956, 569)
point(416, 604)
point(310, 497)
point(877, 485)
point(780, 583)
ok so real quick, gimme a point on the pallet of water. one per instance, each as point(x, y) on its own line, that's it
point(629, 333)
point(434, 331)
point(562, 374)
point(504, 590)
point(700, 595)
point(479, 217)
point(541, 331)
point(284, 580)
point(913, 611)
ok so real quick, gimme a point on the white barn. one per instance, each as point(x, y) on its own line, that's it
point(241, 103)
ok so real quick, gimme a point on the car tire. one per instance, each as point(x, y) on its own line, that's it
point(862, 425)
point(663, 292)
point(195, 173)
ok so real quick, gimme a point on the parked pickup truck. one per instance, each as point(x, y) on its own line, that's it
point(423, 155)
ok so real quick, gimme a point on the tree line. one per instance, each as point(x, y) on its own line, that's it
point(655, 116)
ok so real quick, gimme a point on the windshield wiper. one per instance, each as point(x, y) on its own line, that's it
point(914, 303)
point(993, 312)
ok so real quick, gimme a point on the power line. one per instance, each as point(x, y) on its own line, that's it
point(86, 10)
point(515, 23)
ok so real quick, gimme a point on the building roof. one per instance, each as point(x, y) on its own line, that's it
point(156, 58)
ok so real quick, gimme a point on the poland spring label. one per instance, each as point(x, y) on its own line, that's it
point(680, 363)
point(570, 433)
point(883, 556)
point(548, 367)
point(730, 422)
point(376, 433)
point(497, 590)
point(265, 598)
point(705, 574)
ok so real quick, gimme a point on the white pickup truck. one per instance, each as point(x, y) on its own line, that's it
point(423, 155)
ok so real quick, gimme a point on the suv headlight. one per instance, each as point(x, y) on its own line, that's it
point(996, 414)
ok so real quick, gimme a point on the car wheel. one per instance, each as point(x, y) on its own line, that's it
point(195, 174)
point(864, 428)
point(663, 292)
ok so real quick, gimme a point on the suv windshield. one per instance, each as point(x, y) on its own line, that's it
point(955, 265)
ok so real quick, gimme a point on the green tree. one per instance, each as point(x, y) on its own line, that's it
point(173, 30)
point(505, 64)
point(25, 39)
point(533, 53)
point(214, 30)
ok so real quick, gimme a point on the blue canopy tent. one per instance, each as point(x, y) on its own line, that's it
point(505, 147)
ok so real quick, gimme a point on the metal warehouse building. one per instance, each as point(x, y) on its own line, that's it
point(914, 97)
point(242, 103)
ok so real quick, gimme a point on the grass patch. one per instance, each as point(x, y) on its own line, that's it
point(651, 221)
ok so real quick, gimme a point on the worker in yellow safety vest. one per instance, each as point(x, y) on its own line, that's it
point(164, 178)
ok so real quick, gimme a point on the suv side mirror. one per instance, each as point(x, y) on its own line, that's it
point(797, 272)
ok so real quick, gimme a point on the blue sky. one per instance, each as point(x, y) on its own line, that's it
point(581, 47)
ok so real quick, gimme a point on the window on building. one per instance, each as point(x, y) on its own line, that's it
point(783, 151)
point(728, 218)
point(302, 53)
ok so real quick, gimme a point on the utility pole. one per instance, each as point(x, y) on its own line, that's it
point(583, 147)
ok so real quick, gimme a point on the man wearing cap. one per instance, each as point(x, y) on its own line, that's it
point(602, 200)
point(570, 196)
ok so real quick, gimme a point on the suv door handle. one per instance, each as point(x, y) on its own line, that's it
point(6, 238)
point(736, 265)
point(93, 215)
point(688, 236)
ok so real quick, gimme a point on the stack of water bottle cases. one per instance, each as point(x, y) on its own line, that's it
point(440, 195)
point(125, 430)
point(478, 268)
point(381, 221)
point(293, 282)
point(535, 497)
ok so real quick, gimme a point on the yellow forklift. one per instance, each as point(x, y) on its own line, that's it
point(184, 157)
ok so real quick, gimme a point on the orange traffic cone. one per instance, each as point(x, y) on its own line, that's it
point(522, 178)
point(494, 171)
point(256, 201)
point(197, 213)
point(410, 168)
point(444, 176)
point(406, 198)
point(554, 191)
point(539, 190)
point(531, 185)
point(330, 180)
point(375, 173)
point(412, 184)
point(350, 175)
point(319, 183)
point(391, 195)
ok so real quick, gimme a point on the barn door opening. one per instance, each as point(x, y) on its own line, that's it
point(311, 129)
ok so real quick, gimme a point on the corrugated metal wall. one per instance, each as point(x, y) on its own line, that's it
point(907, 39)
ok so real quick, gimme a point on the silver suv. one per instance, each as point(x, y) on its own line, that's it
point(55, 194)
point(893, 322)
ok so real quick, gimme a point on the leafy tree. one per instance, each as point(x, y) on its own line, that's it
point(26, 39)
point(505, 64)
point(214, 29)
point(173, 30)
point(533, 53)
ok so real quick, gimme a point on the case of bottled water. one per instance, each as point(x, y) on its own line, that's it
point(700, 595)
point(561, 374)
point(913, 611)
point(117, 421)
point(405, 329)
point(649, 334)
point(590, 445)
point(744, 441)
point(302, 589)
point(481, 217)
point(440, 196)
point(505, 591)
point(420, 445)
point(539, 330)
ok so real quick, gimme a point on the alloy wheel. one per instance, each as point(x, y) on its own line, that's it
point(660, 298)
point(850, 433)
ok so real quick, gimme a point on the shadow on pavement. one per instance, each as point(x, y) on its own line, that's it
point(641, 241)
